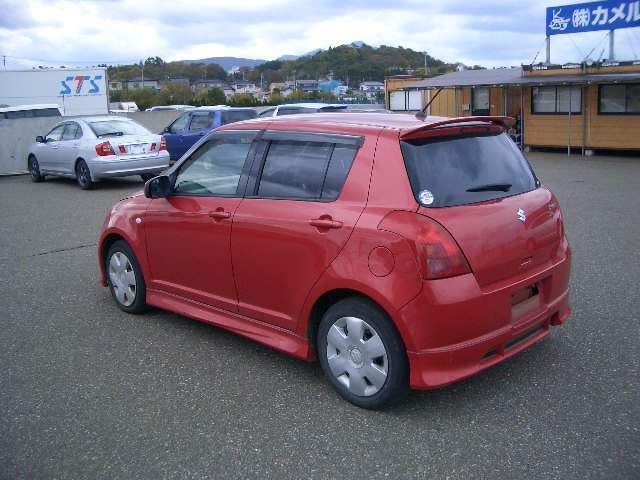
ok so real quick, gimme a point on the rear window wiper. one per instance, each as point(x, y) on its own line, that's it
point(491, 187)
point(108, 134)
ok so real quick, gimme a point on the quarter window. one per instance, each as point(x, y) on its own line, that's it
point(619, 99)
point(215, 168)
point(556, 100)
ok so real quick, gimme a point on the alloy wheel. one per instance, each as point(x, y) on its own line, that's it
point(35, 169)
point(84, 176)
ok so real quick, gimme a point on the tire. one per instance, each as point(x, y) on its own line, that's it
point(123, 272)
point(369, 375)
point(148, 176)
point(83, 175)
point(34, 169)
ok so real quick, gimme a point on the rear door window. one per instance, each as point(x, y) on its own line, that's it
point(300, 169)
point(232, 116)
point(453, 171)
point(70, 131)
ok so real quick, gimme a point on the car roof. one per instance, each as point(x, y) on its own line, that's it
point(407, 125)
point(101, 118)
point(313, 105)
point(221, 107)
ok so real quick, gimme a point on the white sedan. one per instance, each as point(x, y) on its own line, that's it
point(91, 148)
point(297, 108)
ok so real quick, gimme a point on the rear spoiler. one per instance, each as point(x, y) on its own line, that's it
point(504, 122)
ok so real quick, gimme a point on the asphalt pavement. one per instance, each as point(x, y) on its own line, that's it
point(87, 391)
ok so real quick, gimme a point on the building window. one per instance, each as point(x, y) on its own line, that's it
point(556, 100)
point(619, 99)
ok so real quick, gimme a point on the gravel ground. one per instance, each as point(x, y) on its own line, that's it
point(87, 391)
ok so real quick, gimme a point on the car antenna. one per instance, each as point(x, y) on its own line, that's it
point(422, 114)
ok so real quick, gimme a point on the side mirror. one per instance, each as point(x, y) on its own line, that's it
point(158, 187)
point(166, 130)
point(40, 139)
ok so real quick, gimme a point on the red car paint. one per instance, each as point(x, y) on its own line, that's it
point(277, 261)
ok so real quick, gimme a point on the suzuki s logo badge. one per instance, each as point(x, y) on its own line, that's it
point(521, 215)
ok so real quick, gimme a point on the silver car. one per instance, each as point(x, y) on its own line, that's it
point(91, 148)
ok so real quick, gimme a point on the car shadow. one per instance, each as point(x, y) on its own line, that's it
point(506, 379)
point(104, 184)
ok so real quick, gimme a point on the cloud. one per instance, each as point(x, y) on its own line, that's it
point(490, 33)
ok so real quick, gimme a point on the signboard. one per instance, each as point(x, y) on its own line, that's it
point(76, 91)
point(588, 17)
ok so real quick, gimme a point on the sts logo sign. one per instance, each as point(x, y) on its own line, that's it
point(67, 85)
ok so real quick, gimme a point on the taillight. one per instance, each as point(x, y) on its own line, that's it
point(103, 149)
point(438, 254)
point(163, 144)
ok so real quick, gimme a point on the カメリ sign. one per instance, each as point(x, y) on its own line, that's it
point(587, 17)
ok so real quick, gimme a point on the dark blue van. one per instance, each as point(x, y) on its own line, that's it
point(191, 126)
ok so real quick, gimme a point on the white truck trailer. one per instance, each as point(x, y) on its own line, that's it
point(76, 91)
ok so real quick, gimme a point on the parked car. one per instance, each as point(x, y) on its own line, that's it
point(298, 108)
point(91, 148)
point(400, 253)
point(159, 108)
point(31, 111)
point(123, 107)
point(191, 126)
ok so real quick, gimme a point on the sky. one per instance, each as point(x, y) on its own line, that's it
point(491, 33)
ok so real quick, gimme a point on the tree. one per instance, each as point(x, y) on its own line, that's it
point(213, 96)
point(176, 93)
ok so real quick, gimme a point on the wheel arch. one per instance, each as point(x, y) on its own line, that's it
point(331, 297)
point(75, 165)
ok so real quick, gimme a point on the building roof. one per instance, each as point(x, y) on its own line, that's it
point(139, 79)
point(514, 76)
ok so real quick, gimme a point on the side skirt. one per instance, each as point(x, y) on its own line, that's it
point(269, 335)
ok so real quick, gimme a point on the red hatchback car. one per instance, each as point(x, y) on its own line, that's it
point(399, 252)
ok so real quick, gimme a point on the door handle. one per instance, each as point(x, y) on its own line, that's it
point(219, 214)
point(325, 222)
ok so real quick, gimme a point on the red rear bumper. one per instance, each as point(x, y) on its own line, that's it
point(457, 329)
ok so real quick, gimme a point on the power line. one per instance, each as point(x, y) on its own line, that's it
point(70, 61)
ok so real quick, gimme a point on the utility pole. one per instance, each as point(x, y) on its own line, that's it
point(4, 61)
point(612, 55)
point(548, 62)
point(143, 75)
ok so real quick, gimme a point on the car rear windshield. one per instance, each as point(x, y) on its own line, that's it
point(116, 128)
point(333, 108)
point(231, 116)
point(451, 171)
